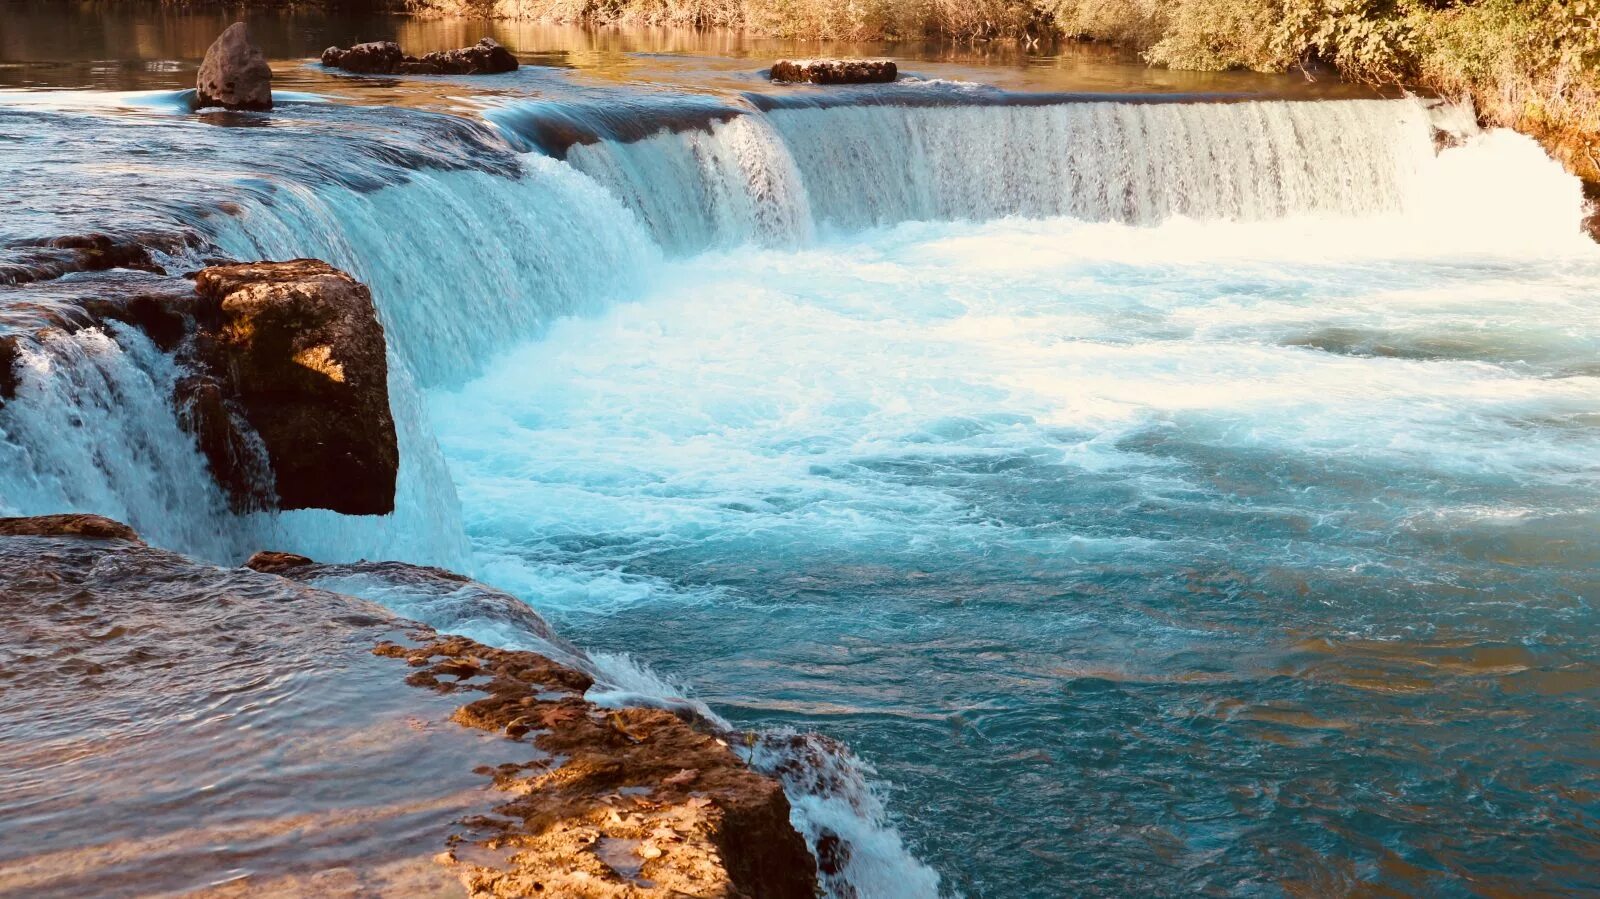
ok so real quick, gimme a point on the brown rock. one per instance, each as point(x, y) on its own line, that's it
point(835, 71)
point(298, 347)
point(1591, 219)
point(371, 58)
point(486, 57)
point(234, 74)
point(93, 526)
point(272, 562)
point(10, 350)
point(640, 804)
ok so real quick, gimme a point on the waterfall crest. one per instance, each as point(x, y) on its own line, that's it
point(778, 176)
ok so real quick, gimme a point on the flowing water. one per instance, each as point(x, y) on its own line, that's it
point(1159, 493)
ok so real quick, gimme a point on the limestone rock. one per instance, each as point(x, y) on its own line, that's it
point(296, 348)
point(93, 526)
point(234, 74)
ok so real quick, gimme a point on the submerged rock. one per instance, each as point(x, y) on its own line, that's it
point(486, 57)
point(234, 74)
point(297, 349)
point(835, 71)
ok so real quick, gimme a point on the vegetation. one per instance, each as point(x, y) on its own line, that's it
point(1529, 64)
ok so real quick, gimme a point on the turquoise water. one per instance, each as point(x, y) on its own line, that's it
point(1238, 559)
point(1157, 498)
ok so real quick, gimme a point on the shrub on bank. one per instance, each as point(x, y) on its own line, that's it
point(1529, 64)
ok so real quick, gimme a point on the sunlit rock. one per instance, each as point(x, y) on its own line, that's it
point(835, 71)
point(298, 348)
point(234, 74)
point(486, 57)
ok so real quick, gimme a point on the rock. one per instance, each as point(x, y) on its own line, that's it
point(372, 58)
point(297, 349)
point(576, 829)
point(835, 71)
point(486, 57)
point(10, 351)
point(442, 597)
point(234, 74)
point(27, 261)
point(262, 361)
point(93, 526)
point(1591, 219)
point(272, 562)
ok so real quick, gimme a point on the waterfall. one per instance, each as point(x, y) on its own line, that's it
point(472, 247)
point(461, 263)
point(778, 175)
point(92, 428)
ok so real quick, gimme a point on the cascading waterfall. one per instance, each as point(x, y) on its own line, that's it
point(92, 427)
point(775, 177)
point(461, 263)
point(467, 263)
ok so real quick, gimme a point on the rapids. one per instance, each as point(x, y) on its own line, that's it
point(1156, 495)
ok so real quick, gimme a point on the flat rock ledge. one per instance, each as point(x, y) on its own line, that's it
point(486, 57)
point(835, 71)
point(573, 800)
point(94, 527)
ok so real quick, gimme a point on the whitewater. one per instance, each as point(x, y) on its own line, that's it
point(1155, 497)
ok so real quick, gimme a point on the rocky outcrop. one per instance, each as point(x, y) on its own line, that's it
point(296, 349)
point(486, 57)
point(286, 379)
point(234, 74)
point(10, 355)
point(24, 262)
point(835, 71)
point(67, 525)
point(135, 678)
point(639, 804)
point(1591, 222)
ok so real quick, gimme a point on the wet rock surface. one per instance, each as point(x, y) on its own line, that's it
point(626, 803)
point(67, 525)
point(486, 57)
point(233, 732)
point(296, 348)
point(835, 71)
point(234, 73)
point(27, 261)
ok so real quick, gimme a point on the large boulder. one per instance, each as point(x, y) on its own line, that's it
point(486, 57)
point(296, 349)
point(835, 71)
point(234, 74)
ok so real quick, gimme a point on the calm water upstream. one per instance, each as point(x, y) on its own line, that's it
point(1162, 497)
